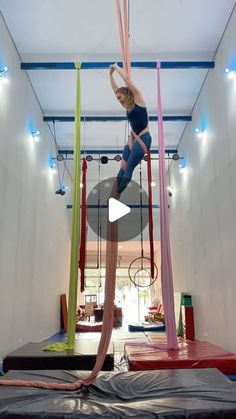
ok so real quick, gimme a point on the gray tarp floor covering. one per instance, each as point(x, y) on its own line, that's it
point(172, 394)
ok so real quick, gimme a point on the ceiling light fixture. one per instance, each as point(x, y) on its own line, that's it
point(3, 74)
point(53, 167)
point(3, 71)
point(182, 165)
point(231, 73)
point(199, 132)
point(35, 135)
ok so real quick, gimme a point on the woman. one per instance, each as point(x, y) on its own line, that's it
point(139, 143)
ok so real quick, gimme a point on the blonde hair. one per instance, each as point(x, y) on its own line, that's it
point(127, 92)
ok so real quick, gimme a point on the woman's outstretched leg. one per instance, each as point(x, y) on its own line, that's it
point(135, 157)
point(120, 174)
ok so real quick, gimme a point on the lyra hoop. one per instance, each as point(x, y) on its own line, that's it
point(139, 272)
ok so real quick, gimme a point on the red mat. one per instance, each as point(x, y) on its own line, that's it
point(88, 327)
point(80, 326)
point(191, 354)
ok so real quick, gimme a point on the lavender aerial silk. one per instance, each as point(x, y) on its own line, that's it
point(166, 267)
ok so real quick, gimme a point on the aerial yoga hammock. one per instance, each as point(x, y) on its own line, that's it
point(111, 256)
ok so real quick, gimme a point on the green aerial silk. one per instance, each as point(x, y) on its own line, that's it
point(75, 237)
point(72, 303)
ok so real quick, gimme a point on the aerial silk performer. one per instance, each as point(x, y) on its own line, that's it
point(132, 100)
point(139, 143)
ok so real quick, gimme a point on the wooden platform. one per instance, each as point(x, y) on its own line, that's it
point(32, 357)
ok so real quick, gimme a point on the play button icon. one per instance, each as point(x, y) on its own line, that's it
point(130, 211)
point(117, 210)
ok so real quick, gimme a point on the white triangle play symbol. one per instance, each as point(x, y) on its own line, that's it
point(117, 210)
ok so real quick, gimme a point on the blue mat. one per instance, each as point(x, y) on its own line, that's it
point(146, 327)
point(232, 377)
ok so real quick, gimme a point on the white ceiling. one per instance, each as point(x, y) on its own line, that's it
point(87, 30)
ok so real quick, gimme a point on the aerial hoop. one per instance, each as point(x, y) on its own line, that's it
point(139, 272)
point(142, 271)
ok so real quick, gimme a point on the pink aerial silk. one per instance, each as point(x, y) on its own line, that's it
point(166, 267)
point(108, 314)
point(124, 35)
point(125, 47)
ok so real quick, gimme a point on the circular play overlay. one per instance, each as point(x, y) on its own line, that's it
point(98, 208)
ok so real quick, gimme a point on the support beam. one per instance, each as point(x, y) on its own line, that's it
point(69, 206)
point(98, 65)
point(169, 118)
point(111, 151)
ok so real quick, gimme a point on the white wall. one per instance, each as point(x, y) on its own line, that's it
point(34, 227)
point(203, 208)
